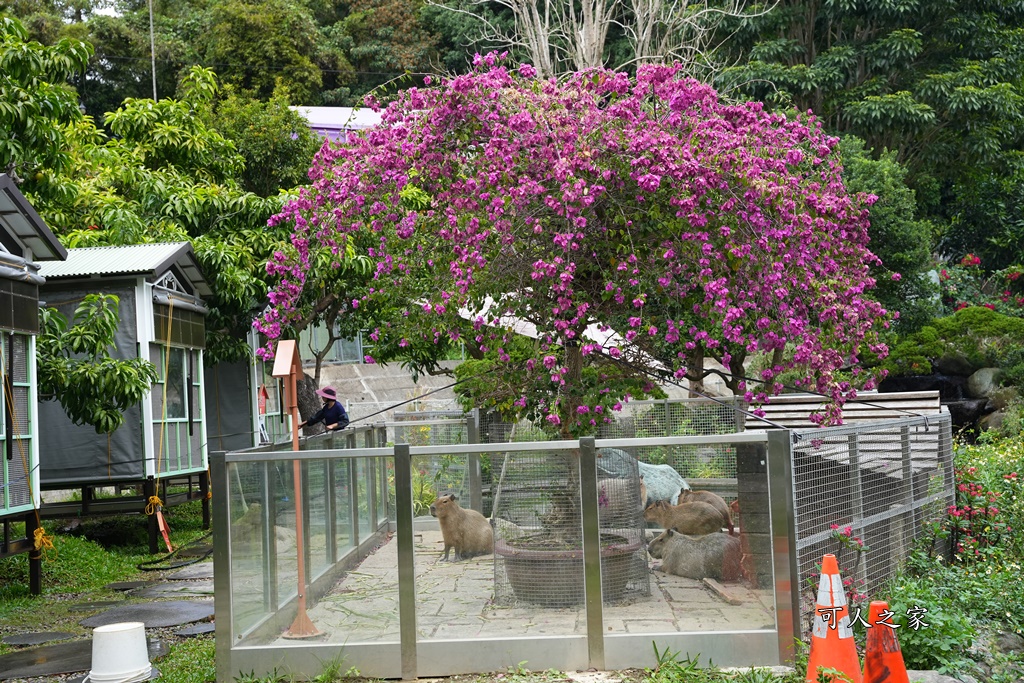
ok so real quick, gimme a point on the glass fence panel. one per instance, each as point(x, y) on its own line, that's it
point(282, 486)
point(708, 538)
point(363, 489)
point(252, 574)
point(360, 603)
point(320, 522)
point(383, 471)
point(343, 536)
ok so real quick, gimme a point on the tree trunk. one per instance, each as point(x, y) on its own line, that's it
point(309, 402)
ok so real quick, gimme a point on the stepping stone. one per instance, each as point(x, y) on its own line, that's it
point(129, 585)
point(195, 551)
point(203, 589)
point(93, 606)
point(63, 658)
point(203, 570)
point(200, 629)
point(37, 638)
point(154, 614)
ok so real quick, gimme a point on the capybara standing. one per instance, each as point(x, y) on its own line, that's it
point(467, 531)
point(689, 518)
point(712, 499)
point(714, 556)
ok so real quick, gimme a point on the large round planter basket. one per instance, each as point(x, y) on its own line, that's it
point(554, 578)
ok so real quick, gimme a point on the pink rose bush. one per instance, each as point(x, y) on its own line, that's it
point(675, 226)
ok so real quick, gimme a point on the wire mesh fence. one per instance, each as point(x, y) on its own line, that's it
point(865, 493)
point(538, 532)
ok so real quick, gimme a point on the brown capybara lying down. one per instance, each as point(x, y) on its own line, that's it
point(714, 556)
point(694, 519)
point(467, 531)
point(712, 499)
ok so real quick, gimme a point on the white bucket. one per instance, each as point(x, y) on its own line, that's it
point(119, 653)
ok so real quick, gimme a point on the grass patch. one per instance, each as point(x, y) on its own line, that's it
point(189, 661)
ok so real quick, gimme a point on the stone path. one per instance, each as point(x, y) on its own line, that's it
point(456, 600)
point(193, 581)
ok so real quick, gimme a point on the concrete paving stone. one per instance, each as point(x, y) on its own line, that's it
point(62, 658)
point(202, 588)
point(39, 638)
point(155, 614)
point(202, 570)
point(689, 595)
point(649, 626)
point(456, 630)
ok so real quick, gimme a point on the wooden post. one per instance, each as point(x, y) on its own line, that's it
point(287, 364)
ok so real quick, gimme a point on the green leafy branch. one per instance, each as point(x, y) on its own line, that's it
point(75, 366)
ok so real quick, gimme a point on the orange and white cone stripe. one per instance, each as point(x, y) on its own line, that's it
point(830, 595)
point(832, 645)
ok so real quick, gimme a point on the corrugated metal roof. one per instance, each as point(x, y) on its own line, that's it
point(134, 259)
point(19, 218)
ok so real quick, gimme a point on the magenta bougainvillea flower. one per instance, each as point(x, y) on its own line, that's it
point(682, 227)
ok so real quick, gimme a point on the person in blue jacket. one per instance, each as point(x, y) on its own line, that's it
point(333, 415)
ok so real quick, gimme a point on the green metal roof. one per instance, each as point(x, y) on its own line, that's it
point(149, 260)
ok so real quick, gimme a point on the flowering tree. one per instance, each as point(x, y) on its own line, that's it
point(674, 226)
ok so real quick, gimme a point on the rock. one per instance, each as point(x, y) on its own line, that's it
point(953, 365)
point(992, 421)
point(950, 388)
point(966, 413)
point(982, 383)
point(1002, 397)
point(1009, 642)
point(662, 481)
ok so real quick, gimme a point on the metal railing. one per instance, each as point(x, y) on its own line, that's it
point(393, 610)
point(411, 615)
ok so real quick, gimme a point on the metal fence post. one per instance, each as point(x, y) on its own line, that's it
point(782, 498)
point(592, 553)
point(406, 569)
point(857, 498)
point(910, 517)
point(476, 498)
point(224, 618)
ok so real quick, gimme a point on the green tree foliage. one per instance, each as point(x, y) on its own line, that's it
point(980, 336)
point(275, 142)
point(167, 175)
point(76, 369)
point(34, 100)
point(256, 42)
point(900, 240)
point(937, 81)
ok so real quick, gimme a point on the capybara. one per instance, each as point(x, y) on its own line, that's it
point(714, 556)
point(467, 531)
point(689, 518)
point(712, 499)
point(619, 503)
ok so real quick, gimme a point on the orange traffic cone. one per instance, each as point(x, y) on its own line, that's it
point(883, 661)
point(832, 645)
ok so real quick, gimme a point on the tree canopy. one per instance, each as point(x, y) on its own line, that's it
point(627, 225)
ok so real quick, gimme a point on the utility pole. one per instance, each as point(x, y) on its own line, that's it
point(152, 48)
